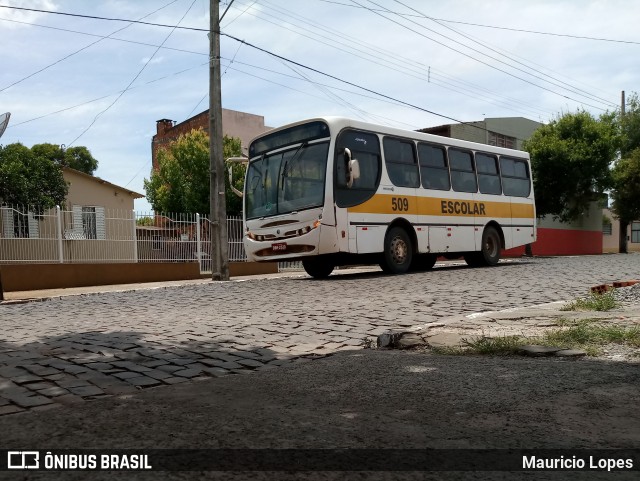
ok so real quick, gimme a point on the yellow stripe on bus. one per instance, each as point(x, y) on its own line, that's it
point(436, 206)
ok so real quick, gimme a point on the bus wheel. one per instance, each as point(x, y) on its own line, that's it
point(423, 262)
point(318, 267)
point(489, 254)
point(473, 259)
point(398, 251)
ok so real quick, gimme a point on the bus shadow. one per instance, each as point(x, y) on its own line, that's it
point(342, 274)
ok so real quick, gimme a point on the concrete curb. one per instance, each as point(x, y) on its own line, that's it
point(457, 331)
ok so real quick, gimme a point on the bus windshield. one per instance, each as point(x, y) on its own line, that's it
point(287, 181)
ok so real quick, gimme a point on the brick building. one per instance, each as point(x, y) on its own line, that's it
point(234, 124)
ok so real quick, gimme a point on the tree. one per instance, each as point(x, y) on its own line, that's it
point(30, 179)
point(78, 158)
point(626, 195)
point(623, 172)
point(181, 182)
point(630, 125)
point(570, 159)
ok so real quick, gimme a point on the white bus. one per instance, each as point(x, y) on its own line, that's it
point(333, 191)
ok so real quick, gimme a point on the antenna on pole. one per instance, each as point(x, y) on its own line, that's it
point(4, 121)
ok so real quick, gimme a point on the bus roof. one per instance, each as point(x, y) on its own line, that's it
point(340, 123)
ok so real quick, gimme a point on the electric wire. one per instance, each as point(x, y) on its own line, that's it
point(189, 28)
point(511, 29)
point(468, 37)
point(133, 80)
point(396, 61)
point(82, 49)
point(479, 60)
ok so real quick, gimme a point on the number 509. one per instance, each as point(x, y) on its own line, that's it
point(399, 204)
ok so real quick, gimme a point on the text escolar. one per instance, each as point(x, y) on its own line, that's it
point(465, 208)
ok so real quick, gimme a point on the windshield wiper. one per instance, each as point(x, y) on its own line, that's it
point(292, 160)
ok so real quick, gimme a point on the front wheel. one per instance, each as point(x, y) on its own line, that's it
point(398, 251)
point(318, 267)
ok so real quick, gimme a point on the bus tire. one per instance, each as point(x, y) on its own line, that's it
point(318, 267)
point(398, 251)
point(423, 262)
point(473, 259)
point(489, 254)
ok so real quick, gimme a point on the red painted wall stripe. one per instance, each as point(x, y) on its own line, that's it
point(562, 242)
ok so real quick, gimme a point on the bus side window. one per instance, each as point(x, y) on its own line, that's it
point(516, 180)
point(400, 159)
point(434, 170)
point(488, 175)
point(366, 148)
point(463, 175)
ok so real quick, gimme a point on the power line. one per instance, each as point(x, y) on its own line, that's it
point(133, 80)
point(275, 55)
point(396, 61)
point(378, 94)
point(571, 87)
point(111, 19)
point(476, 59)
point(537, 32)
point(81, 49)
point(104, 37)
point(373, 10)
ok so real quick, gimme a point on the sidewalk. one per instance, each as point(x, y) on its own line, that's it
point(36, 295)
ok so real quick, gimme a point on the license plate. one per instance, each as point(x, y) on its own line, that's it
point(279, 246)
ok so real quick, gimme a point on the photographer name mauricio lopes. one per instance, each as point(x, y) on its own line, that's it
point(574, 462)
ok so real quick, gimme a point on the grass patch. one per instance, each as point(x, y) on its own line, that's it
point(590, 336)
point(587, 335)
point(495, 346)
point(595, 302)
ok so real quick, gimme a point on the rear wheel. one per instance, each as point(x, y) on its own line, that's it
point(489, 254)
point(423, 262)
point(318, 267)
point(398, 251)
point(491, 246)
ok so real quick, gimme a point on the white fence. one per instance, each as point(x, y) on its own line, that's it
point(96, 234)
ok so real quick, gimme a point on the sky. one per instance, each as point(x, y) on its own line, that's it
point(103, 84)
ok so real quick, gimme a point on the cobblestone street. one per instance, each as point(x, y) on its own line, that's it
point(66, 350)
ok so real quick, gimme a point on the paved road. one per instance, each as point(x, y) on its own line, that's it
point(65, 350)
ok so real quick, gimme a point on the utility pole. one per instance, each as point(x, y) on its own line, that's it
point(218, 208)
point(623, 223)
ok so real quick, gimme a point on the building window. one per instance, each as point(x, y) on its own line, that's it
point(88, 223)
point(607, 228)
point(500, 140)
point(89, 228)
point(18, 224)
point(635, 232)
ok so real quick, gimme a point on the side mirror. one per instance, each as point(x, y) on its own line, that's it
point(352, 168)
point(235, 191)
